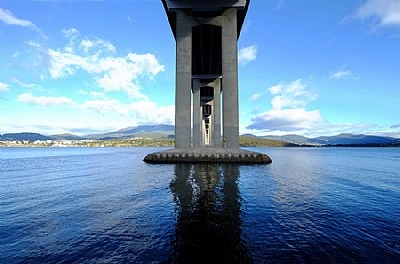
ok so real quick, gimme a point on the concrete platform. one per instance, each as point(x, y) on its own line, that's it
point(207, 155)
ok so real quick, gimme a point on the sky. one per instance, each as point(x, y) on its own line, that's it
point(312, 68)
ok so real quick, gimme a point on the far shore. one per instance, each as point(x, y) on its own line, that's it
point(168, 142)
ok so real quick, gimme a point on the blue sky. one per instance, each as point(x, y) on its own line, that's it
point(305, 67)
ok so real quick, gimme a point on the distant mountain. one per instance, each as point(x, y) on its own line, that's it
point(253, 141)
point(296, 139)
point(66, 136)
point(168, 131)
point(341, 139)
point(346, 139)
point(147, 131)
point(24, 136)
point(248, 135)
point(139, 131)
point(148, 128)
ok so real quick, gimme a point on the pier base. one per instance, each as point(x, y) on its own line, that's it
point(208, 155)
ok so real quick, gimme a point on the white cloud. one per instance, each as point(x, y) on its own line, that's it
point(256, 96)
point(342, 74)
point(287, 120)
point(4, 87)
point(385, 12)
point(141, 112)
point(105, 106)
point(246, 26)
point(70, 33)
point(279, 5)
point(291, 95)
point(7, 17)
point(275, 89)
point(97, 94)
point(64, 64)
point(27, 85)
point(122, 74)
point(87, 44)
point(111, 73)
point(247, 54)
point(45, 100)
point(334, 129)
point(150, 113)
point(52, 126)
point(93, 93)
point(288, 113)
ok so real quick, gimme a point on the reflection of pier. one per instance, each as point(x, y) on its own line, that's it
point(208, 228)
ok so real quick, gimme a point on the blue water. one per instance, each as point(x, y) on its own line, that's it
point(102, 205)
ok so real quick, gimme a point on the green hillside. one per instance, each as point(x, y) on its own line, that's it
point(249, 141)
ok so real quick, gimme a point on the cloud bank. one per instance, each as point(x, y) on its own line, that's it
point(143, 112)
point(114, 81)
point(288, 111)
point(383, 12)
point(97, 57)
point(45, 100)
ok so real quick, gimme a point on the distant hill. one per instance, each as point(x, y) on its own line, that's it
point(148, 128)
point(168, 131)
point(346, 139)
point(66, 136)
point(146, 131)
point(252, 141)
point(341, 139)
point(296, 139)
point(24, 136)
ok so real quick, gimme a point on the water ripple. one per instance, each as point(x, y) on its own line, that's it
point(105, 205)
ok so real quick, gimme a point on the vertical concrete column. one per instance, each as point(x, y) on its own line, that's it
point(212, 119)
point(196, 114)
point(230, 79)
point(217, 114)
point(183, 80)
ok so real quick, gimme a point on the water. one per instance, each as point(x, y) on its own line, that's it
point(104, 205)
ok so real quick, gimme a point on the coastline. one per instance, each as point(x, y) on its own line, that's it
point(171, 143)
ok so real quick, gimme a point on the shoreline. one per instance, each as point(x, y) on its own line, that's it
point(111, 145)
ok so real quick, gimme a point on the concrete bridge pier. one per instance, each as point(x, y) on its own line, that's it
point(206, 98)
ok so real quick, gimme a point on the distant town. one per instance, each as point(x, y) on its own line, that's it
point(245, 141)
point(134, 142)
point(163, 136)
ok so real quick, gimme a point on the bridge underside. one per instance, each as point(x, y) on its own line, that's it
point(206, 95)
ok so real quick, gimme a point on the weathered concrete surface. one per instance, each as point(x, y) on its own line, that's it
point(208, 155)
point(183, 80)
point(230, 99)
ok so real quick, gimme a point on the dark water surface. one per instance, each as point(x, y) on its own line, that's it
point(104, 205)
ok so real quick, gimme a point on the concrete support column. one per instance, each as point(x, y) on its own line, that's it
point(212, 123)
point(183, 80)
point(217, 114)
point(196, 114)
point(230, 79)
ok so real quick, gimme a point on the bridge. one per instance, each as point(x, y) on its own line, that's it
point(206, 96)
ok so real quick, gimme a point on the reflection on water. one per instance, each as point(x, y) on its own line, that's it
point(311, 205)
point(208, 227)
